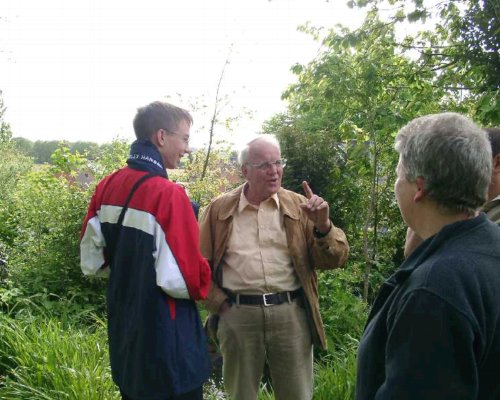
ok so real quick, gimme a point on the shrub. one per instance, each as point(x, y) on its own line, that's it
point(344, 314)
point(50, 204)
point(45, 256)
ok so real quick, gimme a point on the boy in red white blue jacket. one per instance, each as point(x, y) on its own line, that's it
point(141, 228)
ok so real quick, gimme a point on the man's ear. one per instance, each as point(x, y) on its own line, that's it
point(421, 192)
point(244, 170)
point(496, 164)
point(158, 138)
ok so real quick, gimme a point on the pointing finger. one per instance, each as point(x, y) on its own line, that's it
point(307, 189)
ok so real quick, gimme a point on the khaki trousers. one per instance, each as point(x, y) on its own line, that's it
point(248, 335)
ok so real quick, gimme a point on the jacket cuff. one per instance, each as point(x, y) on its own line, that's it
point(319, 235)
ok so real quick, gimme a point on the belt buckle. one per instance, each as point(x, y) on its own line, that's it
point(266, 304)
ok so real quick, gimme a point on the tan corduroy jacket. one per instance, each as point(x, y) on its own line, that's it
point(308, 253)
point(492, 210)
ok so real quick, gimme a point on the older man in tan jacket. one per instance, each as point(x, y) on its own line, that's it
point(264, 244)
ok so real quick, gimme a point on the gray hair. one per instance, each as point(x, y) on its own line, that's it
point(243, 153)
point(452, 154)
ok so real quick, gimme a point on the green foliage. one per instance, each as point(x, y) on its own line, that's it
point(13, 167)
point(46, 358)
point(90, 149)
point(350, 101)
point(42, 357)
point(49, 206)
point(45, 256)
point(14, 163)
point(222, 174)
point(335, 378)
point(65, 162)
point(42, 150)
point(344, 112)
point(5, 132)
point(109, 157)
point(344, 313)
point(25, 146)
point(474, 36)
point(62, 351)
point(462, 48)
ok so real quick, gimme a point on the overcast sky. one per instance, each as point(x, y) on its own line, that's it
point(78, 70)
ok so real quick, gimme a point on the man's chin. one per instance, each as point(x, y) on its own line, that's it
point(174, 165)
point(272, 189)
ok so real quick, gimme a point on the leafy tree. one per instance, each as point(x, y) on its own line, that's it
point(339, 131)
point(45, 256)
point(221, 174)
point(42, 150)
point(50, 205)
point(12, 168)
point(109, 157)
point(463, 47)
point(90, 149)
point(5, 132)
point(25, 146)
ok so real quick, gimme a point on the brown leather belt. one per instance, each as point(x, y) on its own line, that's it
point(267, 299)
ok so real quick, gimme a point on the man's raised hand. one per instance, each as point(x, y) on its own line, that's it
point(317, 209)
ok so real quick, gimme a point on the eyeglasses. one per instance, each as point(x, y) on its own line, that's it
point(185, 139)
point(264, 166)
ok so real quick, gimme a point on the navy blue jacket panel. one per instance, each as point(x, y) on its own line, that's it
point(434, 329)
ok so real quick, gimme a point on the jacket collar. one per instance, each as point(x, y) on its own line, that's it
point(424, 251)
point(144, 156)
point(231, 199)
point(430, 245)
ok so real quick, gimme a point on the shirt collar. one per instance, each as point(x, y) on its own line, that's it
point(245, 203)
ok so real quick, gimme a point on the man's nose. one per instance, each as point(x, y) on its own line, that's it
point(272, 169)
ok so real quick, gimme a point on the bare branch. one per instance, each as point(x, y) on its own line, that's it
point(214, 116)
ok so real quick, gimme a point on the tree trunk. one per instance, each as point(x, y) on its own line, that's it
point(369, 259)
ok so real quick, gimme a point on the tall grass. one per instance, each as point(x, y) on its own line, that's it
point(335, 376)
point(44, 358)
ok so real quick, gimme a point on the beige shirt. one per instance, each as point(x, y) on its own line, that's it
point(257, 259)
